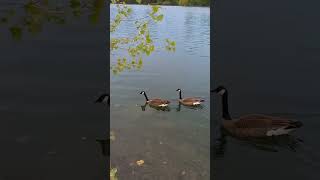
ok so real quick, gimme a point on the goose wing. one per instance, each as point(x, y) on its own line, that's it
point(158, 101)
point(262, 121)
point(192, 99)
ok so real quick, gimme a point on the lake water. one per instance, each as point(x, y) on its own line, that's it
point(174, 144)
point(49, 123)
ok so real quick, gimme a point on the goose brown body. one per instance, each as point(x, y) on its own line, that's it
point(157, 102)
point(254, 125)
point(189, 101)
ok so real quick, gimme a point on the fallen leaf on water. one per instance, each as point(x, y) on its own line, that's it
point(140, 162)
point(113, 174)
point(112, 136)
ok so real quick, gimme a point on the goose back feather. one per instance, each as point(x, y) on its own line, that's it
point(158, 102)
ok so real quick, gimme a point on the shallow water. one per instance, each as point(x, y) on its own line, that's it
point(174, 144)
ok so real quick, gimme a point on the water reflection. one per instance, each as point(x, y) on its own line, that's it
point(32, 16)
point(105, 146)
point(268, 144)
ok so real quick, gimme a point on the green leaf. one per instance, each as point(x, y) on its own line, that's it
point(113, 174)
point(94, 18)
point(152, 48)
point(148, 39)
point(138, 1)
point(160, 17)
point(155, 9)
point(75, 4)
point(45, 2)
point(76, 13)
point(11, 12)
point(129, 11)
point(16, 32)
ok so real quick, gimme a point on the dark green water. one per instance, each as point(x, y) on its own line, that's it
point(174, 144)
point(50, 79)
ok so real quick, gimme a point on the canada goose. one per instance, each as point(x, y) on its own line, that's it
point(155, 102)
point(189, 101)
point(104, 98)
point(254, 125)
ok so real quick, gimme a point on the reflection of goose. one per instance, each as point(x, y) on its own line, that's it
point(268, 144)
point(189, 101)
point(104, 98)
point(155, 102)
point(105, 146)
point(254, 125)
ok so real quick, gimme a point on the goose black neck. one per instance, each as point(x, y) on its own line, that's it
point(225, 107)
point(145, 95)
point(180, 96)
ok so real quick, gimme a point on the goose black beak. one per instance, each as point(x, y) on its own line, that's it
point(214, 90)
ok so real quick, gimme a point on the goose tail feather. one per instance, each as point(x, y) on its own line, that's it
point(295, 124)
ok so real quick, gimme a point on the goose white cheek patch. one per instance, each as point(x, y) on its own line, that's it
point(222, 92)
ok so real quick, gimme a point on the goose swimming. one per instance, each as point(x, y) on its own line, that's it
point(254, 125)
point(156, 102)
point(189, 101)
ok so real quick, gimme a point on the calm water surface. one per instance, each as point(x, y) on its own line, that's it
point(174, 144)
point(49, 123)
